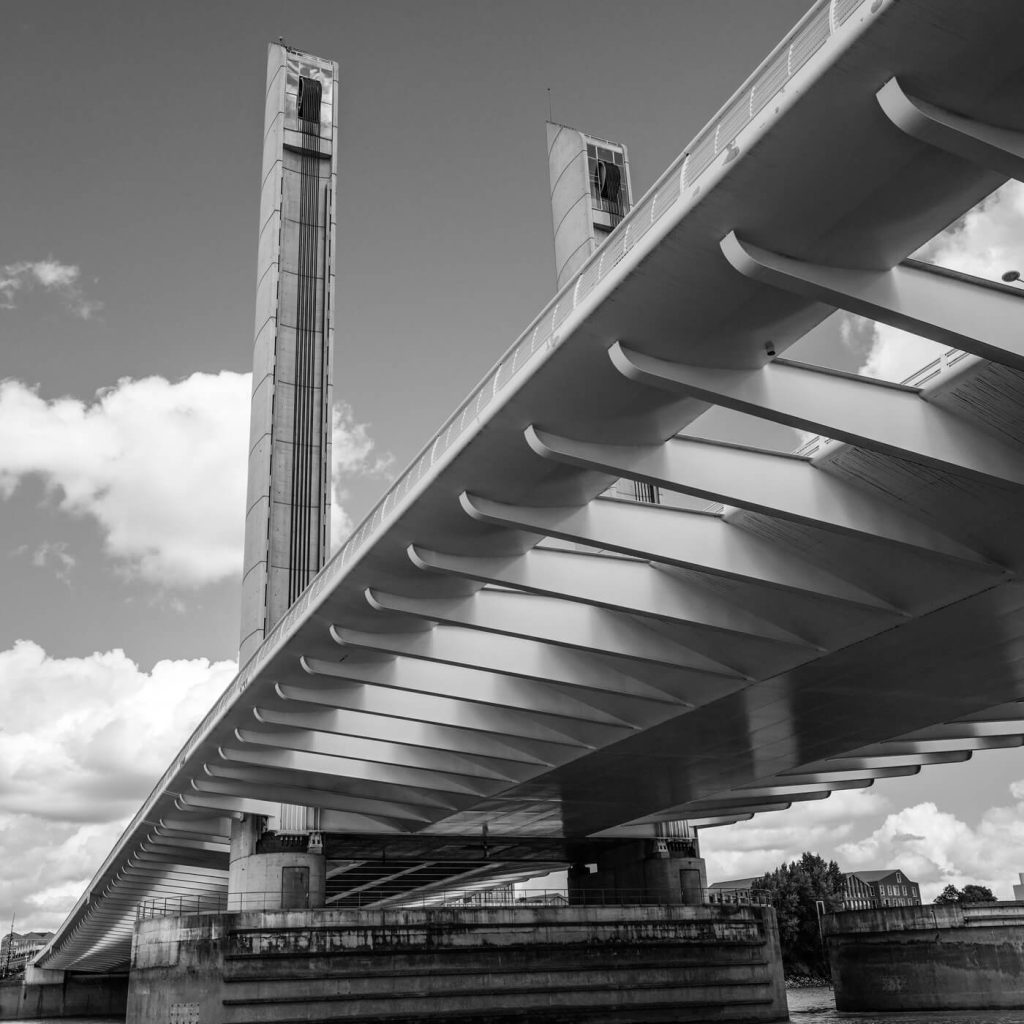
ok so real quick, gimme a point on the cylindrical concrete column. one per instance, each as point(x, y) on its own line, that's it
point(290, 879)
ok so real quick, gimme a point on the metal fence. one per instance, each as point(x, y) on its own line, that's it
point(454, 899)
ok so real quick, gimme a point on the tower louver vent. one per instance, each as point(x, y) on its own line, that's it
point(609, 180)
point(310, 92)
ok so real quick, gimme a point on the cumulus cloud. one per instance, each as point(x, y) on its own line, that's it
point(82, 742)
point(160, 466)
point(55, 557)
point(985, 242)
point(751, 848)
point(352, 454)
point(50, 275)
point(933, 846)
point(936, 848)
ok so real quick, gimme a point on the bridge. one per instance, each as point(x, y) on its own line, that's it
point(503, 662)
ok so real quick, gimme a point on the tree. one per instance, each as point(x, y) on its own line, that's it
point(951, 894)
point(969, 894)
point(977, 894)
point(796, 889)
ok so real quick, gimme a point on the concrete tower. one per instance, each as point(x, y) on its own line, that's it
point(590, 194)
point(287, 520)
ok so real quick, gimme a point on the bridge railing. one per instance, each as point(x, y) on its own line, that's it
point(213, 903)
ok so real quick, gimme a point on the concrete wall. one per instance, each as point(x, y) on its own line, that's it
point(65, 995)
point(545, 965)
point(927, 958)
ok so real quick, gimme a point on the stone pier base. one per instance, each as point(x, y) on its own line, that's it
point(928, 958)
point(537, 964)
point(64, 994)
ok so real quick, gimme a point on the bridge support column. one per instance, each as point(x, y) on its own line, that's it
point(668, 870)
point(272, 872)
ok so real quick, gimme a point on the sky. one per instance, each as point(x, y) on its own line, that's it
point(129, 199)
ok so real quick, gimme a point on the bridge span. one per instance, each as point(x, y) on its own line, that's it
point(503, 662)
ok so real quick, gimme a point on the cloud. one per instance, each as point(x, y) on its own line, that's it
point(985, 242)
point(60, 278)
point(936, 848)
point(54, 555)
point(932, 846)
point(78, 759)
point(352, 454)
point(751, 848)
point(160, 466)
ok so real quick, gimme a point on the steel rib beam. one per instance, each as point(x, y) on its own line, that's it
point(953, 309)
point(530, 659)
point(1001, 149)
point(933, 746)
point(371, 810)
point(786, 486)
point(788, 787)
point(827, 778)
point(428, 734)
point(374, 751)
point(629, 584)
point(864, 763)
point(891, 419)
point(701, 541)
point(358, 794)
point(267, 802)
point(574, 624)
point(976, 728)
point(385, 774)
point(515, 725)
point(491, 688)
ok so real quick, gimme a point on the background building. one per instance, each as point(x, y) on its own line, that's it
point(886, 888)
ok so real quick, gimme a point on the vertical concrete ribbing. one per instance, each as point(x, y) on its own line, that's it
point(287, 530)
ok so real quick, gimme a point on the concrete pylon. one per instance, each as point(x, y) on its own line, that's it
point(591, 191)
point(288, 502)
point(287, 522)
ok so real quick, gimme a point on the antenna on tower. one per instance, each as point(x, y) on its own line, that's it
point(550, 116)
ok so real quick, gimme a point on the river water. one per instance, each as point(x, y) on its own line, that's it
point(817, 1006)
point(806, 1006)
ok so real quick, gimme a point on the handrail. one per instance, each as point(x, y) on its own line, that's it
point(446, 900)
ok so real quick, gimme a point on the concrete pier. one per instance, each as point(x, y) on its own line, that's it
point(950, 957)
point(542, 964)
point(64, 994)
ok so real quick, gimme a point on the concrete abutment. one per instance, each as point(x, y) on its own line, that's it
point(951, 957)
point(542, 964)
point(58, 994)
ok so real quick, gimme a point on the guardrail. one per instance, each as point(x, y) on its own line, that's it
point(220, 903)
